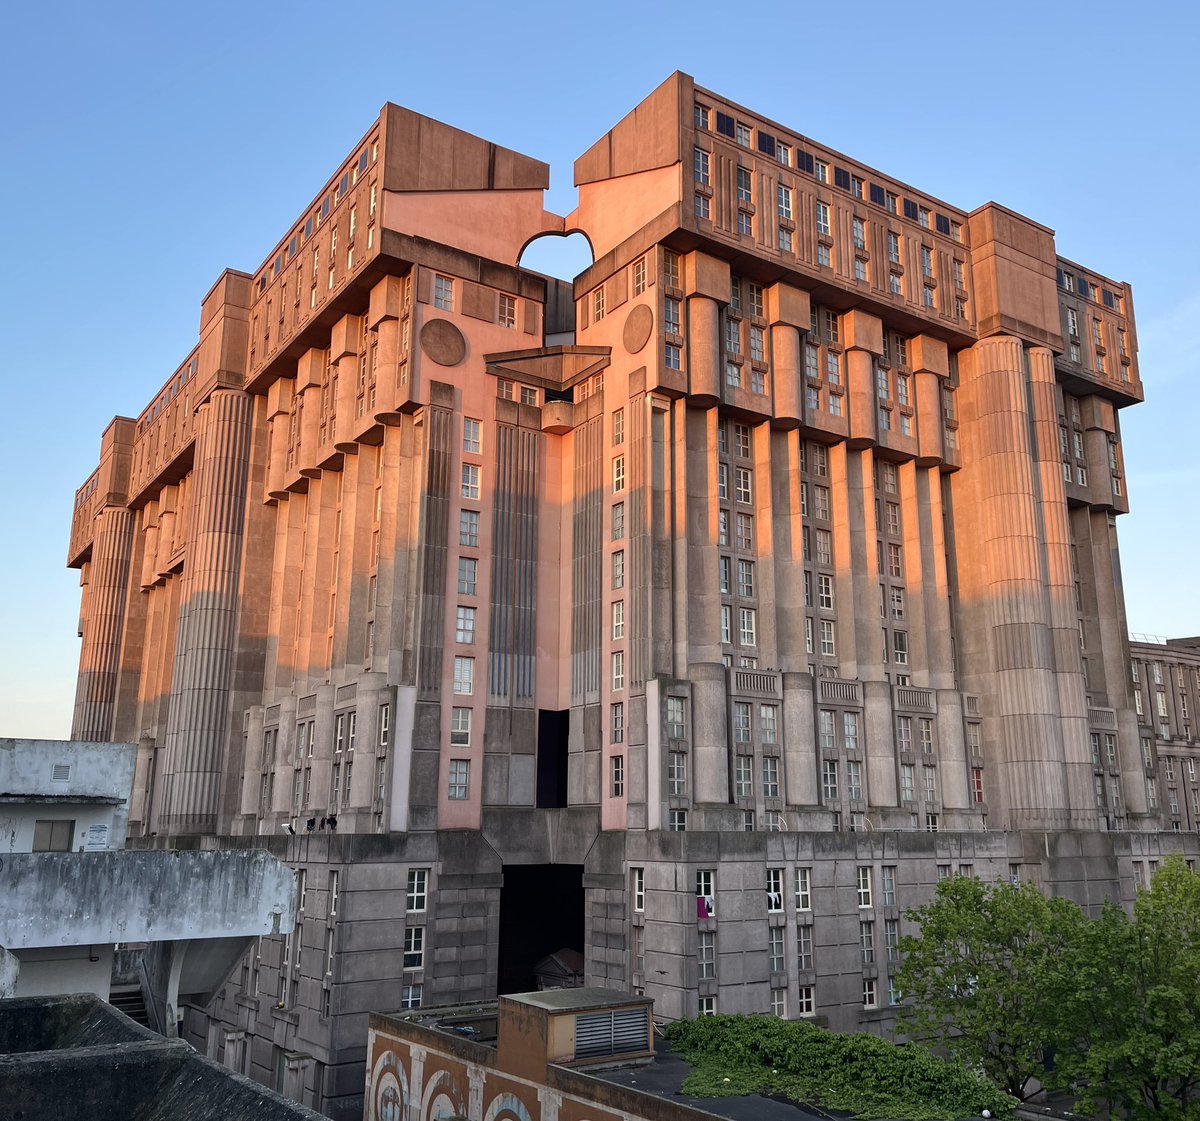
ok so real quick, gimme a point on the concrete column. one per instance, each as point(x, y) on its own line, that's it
point(279, 409)
point(1002, 573)
point(787, 375)
point(697, 593)
point(149, 544)
point(710, 732)
point(345, 342)
point(1059, 584)
point(199, 719)
point(704, 351)
point(856, 560)
point(783, 569)
point(799, 745)
point(99, 658)
point(878, 732)
point(310, 374)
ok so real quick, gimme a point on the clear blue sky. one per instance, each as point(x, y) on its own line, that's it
point(149, 146)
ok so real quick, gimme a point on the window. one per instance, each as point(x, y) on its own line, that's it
point(864, 886)
point(822, 216)
point(470, 481)
point(854, 780)
point(746, 626)
point(770, 769)
point(926, 261)
point(671, 271)
point(870, 1000)
point(464, 676)
point(508, 310)
point(618, 569)
point(53, 836)
point(414, 947)
point(741, 722)
point(464, 625)
point(639, 889)
point(468, 571)
point(410, 996)
point(618, 520)
point(775, 954)
point(895, 569)
point(900, 647)
point(829, 779)
point(850, 731)
point(417, 893)
point(618, 670)
point(504, 389)
point(443, 292)
point(927, 296)
point(672, 357)
point(783, 199)
point(528, 395)
point(929, 778)
point(706, 955)
point(889, 885)
point(618, 619)
point(743, 184)
point(460, 776)
point(827, 642)
point(745, 575)
point(743, 479)
point(726, 623)
point(821, 504)
point(824, 542)
point(907, 790)
point(866, 942)
point(745, 531)
point(894, 284)
point(639, 276)
point(617, 776)
point(743, 135)
point(617, 722)
point(768, 723)
point(671, 316)
point(891, 935)
point(700, 117)
point(700, 166)
point(460, 727)
point(677, 774)
point(471, 436)
point(706, 1006)
point(618, 427)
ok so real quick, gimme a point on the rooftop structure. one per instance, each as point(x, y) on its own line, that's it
point(697, 616)
point(75, 1058)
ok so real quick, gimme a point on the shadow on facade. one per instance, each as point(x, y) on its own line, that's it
point(541, 911)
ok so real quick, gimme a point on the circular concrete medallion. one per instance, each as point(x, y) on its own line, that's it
point(443, 342)
point(638, 325)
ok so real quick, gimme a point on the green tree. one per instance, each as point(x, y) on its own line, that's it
point(987, 974)
point(1133, 1019)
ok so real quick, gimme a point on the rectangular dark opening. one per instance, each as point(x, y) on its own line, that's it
point(552, 734)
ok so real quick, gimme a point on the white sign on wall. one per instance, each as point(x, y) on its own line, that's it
point(97, 838)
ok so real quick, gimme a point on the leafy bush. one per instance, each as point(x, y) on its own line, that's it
point(860, 1074)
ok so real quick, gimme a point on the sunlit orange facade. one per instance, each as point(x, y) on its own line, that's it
point(778, 549)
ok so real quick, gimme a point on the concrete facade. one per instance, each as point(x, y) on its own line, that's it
point(772, 564)
point(71, 894)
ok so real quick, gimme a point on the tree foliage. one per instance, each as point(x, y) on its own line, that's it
point(1027, 988)
point(860, 1074)
point(1133, 1021)
point(986, 974)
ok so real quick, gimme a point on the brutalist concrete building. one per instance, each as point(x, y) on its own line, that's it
point(696, 615)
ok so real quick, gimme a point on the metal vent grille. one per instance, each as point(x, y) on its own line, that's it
point(611, 1033)
point(61, 772)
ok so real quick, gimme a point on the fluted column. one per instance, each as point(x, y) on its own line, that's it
point(1002, 568)
point(99, 659)
point(199, 718)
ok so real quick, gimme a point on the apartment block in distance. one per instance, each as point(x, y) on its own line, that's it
point(697, 615)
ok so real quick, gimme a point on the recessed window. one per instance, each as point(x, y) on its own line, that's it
point(458, 786)
point(700, 164)
point(468, 528)
point(443, 292)
point(508, 310)
point(414, 945)
point(460, 727)
point(417, 892)
point(472, 436)
point(464, 625)
point(464, 676)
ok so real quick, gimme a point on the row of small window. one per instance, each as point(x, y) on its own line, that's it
point(1081, 286)
point(1173, 801)
point(443, 299)
point(806, 999)
point(1157, 676)
point(820, 169)
point(349, 178)
point(168, 395)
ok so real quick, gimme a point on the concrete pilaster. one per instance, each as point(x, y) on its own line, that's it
point(198, 722)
